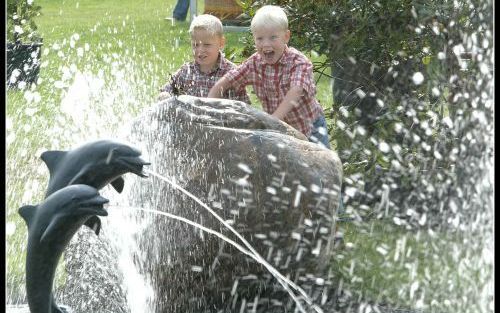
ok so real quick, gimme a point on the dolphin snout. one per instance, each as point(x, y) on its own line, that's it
point(99, 200)
point(135, 165)
point(94, 205)
point(135, 160)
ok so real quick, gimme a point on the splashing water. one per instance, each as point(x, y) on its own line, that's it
point(94, 102)
point(247, 252)
point(285, 282)
point(121, 233)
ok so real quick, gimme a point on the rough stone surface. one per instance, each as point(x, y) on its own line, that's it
point(92, 282)
point(278, 190)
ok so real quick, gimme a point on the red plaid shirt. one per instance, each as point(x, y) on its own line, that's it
point(271, 82)
point(190, 80)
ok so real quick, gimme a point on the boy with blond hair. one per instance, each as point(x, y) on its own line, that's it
point(195, 78)
point(281, 76)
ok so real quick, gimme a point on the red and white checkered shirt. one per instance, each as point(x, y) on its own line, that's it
point(271, 82)
point(190, 80)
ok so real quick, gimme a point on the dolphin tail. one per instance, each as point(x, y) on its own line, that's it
point(51, 158)
point(27, 212)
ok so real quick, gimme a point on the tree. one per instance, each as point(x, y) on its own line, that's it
point(404, 75)
point(21, 21)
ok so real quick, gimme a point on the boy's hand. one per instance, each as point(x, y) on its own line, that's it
point(163, 95)
point(217, 91)
point(291, 100)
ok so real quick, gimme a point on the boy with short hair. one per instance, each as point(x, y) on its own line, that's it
point(281, 76)
point(195, 78)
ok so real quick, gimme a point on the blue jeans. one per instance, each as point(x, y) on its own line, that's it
point(181, 10)
point(320, 132)
point(320, 135)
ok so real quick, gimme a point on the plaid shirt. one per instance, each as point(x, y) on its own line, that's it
point(190, 80)
point(271, 82)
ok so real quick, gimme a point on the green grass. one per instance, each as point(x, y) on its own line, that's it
point(430, 270)
point(122, 52)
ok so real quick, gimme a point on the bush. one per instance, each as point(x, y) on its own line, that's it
point(21, 24)
point(398, 134)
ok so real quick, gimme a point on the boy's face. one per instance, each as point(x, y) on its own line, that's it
point(206, 47)
point(271, 42)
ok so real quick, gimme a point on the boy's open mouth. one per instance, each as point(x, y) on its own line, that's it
point(268, 55)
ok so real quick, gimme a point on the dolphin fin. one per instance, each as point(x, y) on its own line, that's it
point(94, 223)
point(118, 184)
point(50, 229)
point(51, 158)
point(27, 212)
point(79, 177)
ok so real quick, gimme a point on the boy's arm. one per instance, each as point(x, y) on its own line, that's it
point(175, 84)
point(220, 87)
point(236, 78)
point(301, 84)
point(291, 100)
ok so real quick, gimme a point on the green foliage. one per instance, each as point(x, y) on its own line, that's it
point(408, 131)
point(21, 24)
point(387, 124)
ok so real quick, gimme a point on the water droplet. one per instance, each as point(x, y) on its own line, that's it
point(382, 250)
point(435, 92)
point(244, 168)
point(350, 191)
point(272, 158)
point(384, 147)
point(10, 228)
point(18, 29)
point(448, 122)
point(360, 93)
point(418, 78)
point(196, 268)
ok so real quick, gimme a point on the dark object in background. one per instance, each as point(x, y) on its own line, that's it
point(23, 63)
point(225, 10)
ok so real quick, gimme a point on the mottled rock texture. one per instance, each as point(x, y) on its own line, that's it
point(278, 190)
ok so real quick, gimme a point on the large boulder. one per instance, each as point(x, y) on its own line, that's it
point(278, 190)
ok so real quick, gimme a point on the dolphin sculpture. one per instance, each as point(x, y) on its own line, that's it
point(51, 225)
point(96, 164)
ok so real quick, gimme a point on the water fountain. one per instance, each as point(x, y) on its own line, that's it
point(116, 268)
point(72, 200)
point(285, 208)
point(278, 192)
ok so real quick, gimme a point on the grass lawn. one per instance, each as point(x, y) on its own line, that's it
point(103, 62)
point(429, 270)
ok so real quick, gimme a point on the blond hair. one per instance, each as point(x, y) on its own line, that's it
point(207, 22)
point(270, 16)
